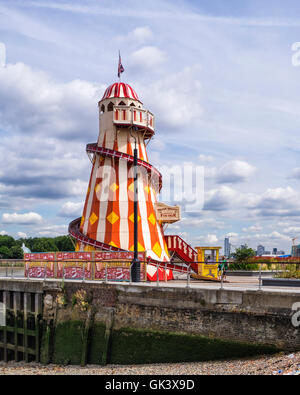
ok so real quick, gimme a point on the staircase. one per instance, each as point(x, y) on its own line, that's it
point(182, 250)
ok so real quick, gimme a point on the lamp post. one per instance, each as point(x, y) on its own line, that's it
point(135, 266)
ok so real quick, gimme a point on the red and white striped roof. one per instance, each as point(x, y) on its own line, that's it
point(119, 89)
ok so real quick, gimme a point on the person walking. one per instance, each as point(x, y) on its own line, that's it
point(220, 270)
point(224, 267)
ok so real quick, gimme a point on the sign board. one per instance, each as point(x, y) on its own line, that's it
point(116, 271)
point(167, 214)
point(83, 265)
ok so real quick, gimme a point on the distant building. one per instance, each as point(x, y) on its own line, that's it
point(296, 251)
point(260, 250)
point(274, 251)
point(227, 247)
point(281, 253)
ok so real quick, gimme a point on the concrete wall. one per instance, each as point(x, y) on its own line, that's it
point(255, 317)
point(251, 317)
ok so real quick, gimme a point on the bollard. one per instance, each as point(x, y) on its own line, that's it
point(83, 272)
point(222, 279)
point(188, 274)
point(166, 272)
point(130, 277)
point(260, 281)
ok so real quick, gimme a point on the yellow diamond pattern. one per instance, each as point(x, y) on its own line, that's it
point(112, 244)
point(97, 188)
point(140, 248)
point(152, 219)
point(132, 218)
point(114, 187)
point(157, 249)
point(112, 217)
point(93, 218)
point(82, 221)
point(166, 249)
point(131, 187)
point(147, 189)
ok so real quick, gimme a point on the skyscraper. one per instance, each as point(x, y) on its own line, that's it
point(260, 250)
point(227, 247)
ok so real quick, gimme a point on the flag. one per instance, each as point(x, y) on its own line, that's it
point(120, 67)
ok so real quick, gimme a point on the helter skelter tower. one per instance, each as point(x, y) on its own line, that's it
point(107, 222)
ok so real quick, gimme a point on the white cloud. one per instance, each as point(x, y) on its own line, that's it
point(53, 231)
point(22, 219)
point(142, 34)
point(232, 234)
point(253, 228)
point(39, 112)
point(296, 173)
point(280, 202)
point(22, 235)
point(222, 198)
point(202, 222)
point(148, 57)
point(176, 99)
point(34, 103)
point(235, 171)
point(211, 239)
point(71, 209)
point(3, 233)
point(168, 13)
point(292, 230)
point(205, 158)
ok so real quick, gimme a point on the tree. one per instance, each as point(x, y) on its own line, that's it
point(64, 243)
point(44, 245)
point(242, 257)
point(12, 249)
point(4, 252)
point(7, 241)
point(16, 252)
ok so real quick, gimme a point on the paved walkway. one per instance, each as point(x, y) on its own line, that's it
point(238, 283)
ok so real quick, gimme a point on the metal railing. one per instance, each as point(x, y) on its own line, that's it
point(133, 116)
point(118, 271)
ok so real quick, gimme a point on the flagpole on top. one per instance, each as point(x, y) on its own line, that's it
point(119, 74)
point(120, 67)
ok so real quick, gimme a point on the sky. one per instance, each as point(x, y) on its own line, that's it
point(219, 77)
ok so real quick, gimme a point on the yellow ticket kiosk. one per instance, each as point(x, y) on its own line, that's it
point(208, 261)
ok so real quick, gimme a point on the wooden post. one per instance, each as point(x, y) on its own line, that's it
point(16, 307)
point(107, 337)
point(86, 336)
point(5, 301)
point(37, 314)
point(25, 339)
point(45, 356)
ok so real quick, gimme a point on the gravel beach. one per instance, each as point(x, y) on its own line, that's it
point(274, 365)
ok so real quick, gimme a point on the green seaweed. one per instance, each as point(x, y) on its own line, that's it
point(68, 343)
point(134, 346)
